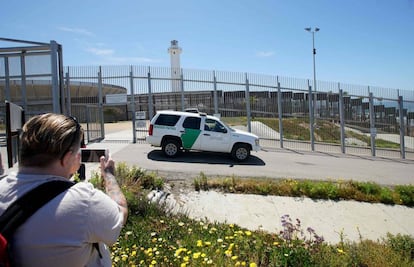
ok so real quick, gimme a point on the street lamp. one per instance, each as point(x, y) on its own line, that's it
point(314, 66)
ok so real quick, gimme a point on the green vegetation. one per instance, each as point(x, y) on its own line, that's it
point(334, 190)
point(154, 236)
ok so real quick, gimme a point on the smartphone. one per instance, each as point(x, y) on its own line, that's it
point(93, 155)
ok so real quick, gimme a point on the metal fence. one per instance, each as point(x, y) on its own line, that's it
point(284, 112)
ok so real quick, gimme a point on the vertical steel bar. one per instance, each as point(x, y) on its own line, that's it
point(150, 104)
point(100, 96)
point(279, 110)
point(131, 84)
point(88, 119)
point(23, 80)
point(215, 93)
point(68, 94)
point(248, 112)
point(182, 90)
point(402, 126)
point(61, 78)
point(342, 119)
point(7, 81)
point(311, 118)
point(55, 80)
point(373, 130)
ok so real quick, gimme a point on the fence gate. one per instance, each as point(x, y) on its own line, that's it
point(31, 76)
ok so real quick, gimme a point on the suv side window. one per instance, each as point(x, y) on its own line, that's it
point(192, 123)
point(167, 120)
point(214, 126)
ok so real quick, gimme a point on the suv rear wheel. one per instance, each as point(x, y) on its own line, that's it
point(171, 148)
point(240, 152)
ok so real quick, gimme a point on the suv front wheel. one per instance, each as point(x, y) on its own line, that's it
point(171, 148)
point(240, 152)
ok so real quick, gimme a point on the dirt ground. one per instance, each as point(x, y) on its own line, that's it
point(118, 126)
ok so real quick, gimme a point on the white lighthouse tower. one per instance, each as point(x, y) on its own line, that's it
point(175, 52)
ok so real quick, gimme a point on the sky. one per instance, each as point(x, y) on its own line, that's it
point(362, 42)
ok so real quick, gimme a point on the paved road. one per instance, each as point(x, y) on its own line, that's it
point(275, 163)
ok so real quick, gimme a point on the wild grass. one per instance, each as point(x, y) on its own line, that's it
point(333, 190)
point(154, 236)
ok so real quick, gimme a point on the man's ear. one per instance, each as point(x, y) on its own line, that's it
point(66, 159)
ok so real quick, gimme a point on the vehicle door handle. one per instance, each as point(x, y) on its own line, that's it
point(206, 134)
point(182, 131)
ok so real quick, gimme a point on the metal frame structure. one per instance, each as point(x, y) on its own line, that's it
point(17, 72)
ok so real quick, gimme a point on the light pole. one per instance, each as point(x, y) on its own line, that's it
point(314, 65)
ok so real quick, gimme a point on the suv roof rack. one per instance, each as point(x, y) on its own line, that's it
point(192, 110)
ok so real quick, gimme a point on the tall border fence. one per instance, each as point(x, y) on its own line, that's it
point(284, 112)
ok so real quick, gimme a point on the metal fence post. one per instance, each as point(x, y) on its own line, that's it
point(88, 119)
point(215, 93)
point(101, 112)
point(23, 79)
point(150, 104)
point(311, 118)
point(182, 90)
point(373, 131)
point(7, 93)
point(131, 83)
point(402, 126)
point(55, 79)
point(247, 97)
point(342, 119)
point(68, 96)
point(279, 110)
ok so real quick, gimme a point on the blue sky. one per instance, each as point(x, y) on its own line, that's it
point(363, 42)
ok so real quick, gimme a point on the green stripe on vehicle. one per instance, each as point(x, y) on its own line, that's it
point(189, 137)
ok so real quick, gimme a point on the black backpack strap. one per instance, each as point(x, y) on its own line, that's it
point(24, 207)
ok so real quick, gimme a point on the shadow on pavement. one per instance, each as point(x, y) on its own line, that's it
point(204, 157)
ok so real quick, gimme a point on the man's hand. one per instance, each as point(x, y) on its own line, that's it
point(111, 185)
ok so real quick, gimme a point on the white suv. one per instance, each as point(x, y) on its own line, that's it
point(176, 131)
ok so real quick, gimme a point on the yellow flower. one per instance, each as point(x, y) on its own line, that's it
point(199, 243)
point(340, 250)
point(252, 264)
point(248, 233)
point(196, 255)
point(234, 258)
point(219, 240)
point(181, 224)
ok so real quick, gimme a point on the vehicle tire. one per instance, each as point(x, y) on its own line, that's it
point(171, 148)
point(240, 152)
